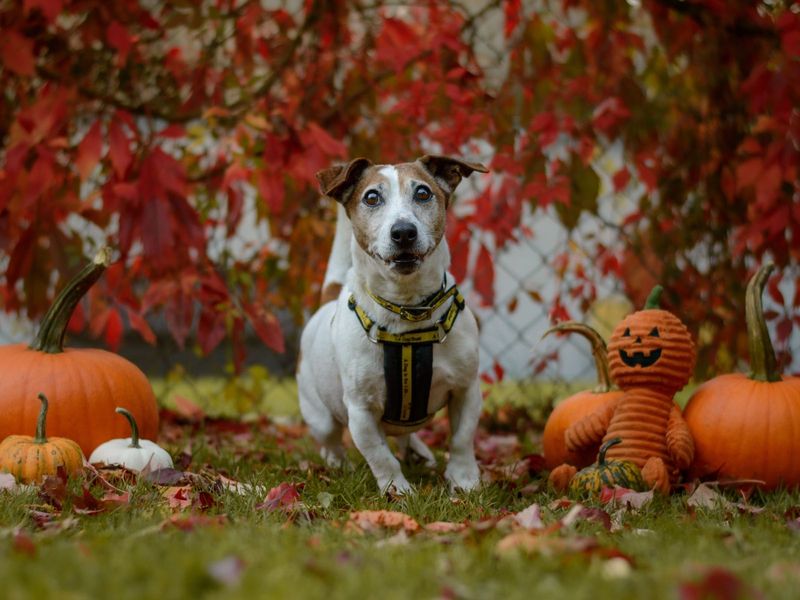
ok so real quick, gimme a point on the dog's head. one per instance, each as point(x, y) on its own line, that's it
point(398, 211)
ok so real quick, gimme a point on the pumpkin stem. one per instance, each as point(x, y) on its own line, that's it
point(40, 437)
point(763, 366)
point(654, 299)
point(604, 384)
point(601, 456)
point(50, 337)
point(134, 427)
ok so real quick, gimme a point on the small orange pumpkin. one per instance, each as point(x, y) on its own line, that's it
point(748, 426)
point(578, 405)
point(84, 385)
point(30, 459)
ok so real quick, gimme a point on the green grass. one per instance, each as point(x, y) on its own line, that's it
point(130, 552)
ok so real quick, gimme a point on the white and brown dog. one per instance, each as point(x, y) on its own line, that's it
point(397, 343)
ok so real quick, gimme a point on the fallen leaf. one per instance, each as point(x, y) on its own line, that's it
point(185, 522)
point(374, 520)
point(165, 476)
point(227, 571)
point(530, 518)
point(23, 543)
point(285, 496)
point(444, 527)
point(705, 497)
point(717, 584)
point(8, 482)
point(178, 498)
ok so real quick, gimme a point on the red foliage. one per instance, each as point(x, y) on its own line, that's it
point(161, 128)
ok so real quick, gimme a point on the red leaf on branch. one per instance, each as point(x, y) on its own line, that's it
point(621, 179)
point(140, 326)
point(49, 8)
point(266, 326)
point(119, 39)
point(89, 151)
point(483, 276)
point(326, 142)
point(118, 148)
point(113, 330)
point(16, 53)
point(512, 10)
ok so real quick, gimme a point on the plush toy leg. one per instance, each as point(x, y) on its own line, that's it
point(561, 476)
point(656, 475)
point(679, 440)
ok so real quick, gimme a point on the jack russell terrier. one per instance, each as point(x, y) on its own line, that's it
point(397, 343)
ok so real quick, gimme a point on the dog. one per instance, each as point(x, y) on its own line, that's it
point(395, 342)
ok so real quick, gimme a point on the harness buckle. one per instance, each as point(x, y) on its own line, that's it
point(370, 337)
point(443, 333)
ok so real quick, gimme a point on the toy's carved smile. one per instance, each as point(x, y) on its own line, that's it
point(639, 358)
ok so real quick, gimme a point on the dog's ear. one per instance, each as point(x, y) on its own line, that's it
point(448, 171)
point(338, 182)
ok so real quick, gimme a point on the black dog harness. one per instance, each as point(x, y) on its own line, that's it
point(408, 356)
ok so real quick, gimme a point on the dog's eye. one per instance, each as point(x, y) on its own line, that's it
point(372, 198)
point(422, 194)
point(654, 332)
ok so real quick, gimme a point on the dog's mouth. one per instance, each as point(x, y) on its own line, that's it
point(405, 262)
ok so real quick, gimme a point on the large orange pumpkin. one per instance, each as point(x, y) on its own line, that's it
point(84, 385)
point(578, 405)
point(748, 426)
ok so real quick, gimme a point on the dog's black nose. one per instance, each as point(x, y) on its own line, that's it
point(404, 233)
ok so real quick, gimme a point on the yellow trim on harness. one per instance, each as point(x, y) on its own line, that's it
point(418, 313)
point(405, 374)
point(429, 335)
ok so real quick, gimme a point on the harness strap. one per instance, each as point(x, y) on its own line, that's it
point(408, 361)
point(420, 312)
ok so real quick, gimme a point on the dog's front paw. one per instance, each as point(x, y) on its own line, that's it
point(398, 486)
point(464, 475)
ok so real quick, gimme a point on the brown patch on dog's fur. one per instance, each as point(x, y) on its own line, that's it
point(330, 292)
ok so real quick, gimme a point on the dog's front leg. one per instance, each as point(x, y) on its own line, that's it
point(371, 442)
point(462, 469)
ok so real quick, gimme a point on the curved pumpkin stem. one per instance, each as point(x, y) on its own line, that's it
point(134, 427)
point(654, 299)
point(604, 384)
point(763, 366)
point(40, 436)
point(50, 337)
point(601, 456)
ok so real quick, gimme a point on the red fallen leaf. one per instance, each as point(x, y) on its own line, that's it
point(178, 498)
point(285, 497)
point(164, 476)
point(374, 520)
point(530, 518)
point(717, 584)
point(598, 515)
point(190, 522)
point(23, 543)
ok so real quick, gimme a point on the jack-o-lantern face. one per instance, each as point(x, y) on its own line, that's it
point(651, 348)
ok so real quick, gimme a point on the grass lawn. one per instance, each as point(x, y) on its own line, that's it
point(196, 536)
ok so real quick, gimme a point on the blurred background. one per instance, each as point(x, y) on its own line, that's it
point(630, 143)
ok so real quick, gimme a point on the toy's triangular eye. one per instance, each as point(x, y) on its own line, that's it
point(627, 332)
point(654, 332)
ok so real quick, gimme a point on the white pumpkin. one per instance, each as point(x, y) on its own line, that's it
point(131, 453)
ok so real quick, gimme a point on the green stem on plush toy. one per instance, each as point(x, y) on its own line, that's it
point(763, 366)
point(50, 337)
point(601, 455)
point(134, 427)
point(654, 299)
point(598, 351)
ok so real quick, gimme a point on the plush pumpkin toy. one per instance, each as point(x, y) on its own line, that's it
point(132, 453)
point(651, 356)
point(31, 459)
point(591, 480)
point(571, 409)
point(84, 385)
point(748, 426)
